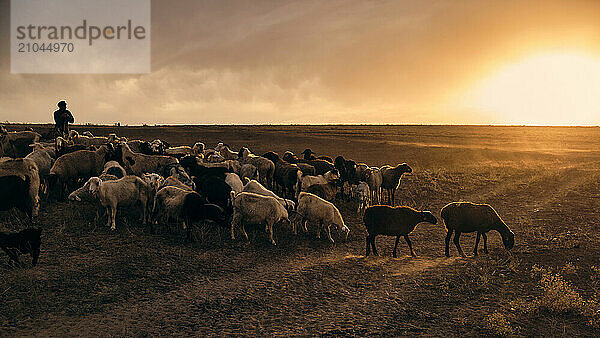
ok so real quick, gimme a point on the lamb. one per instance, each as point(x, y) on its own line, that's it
point(234, 181)
point(138, 164)
point(462, 217)
point(167, 204)
point(317, 210)
point(44, 162)
point(257, 188)
point(196, 209)
point(78, 164)
point(374, 180)
point(363, 196)
point(391, 178)
point(83, 193)
point(330, 176)
point(393, 221)
point(114, 168)
point(87, 140)
point(129, 190)
point(251, 208)
point(20, 185)
point(248, 171)
point(266, 167)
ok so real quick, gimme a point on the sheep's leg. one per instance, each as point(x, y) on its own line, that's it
point(373, 244)
point(329, 234)
point(234, 221)
point(305, 226)
point(457, 243)
point(368, 245)
point(144, 214)
point(270, 226)
point(396, 246)
point(319, 231)
point(113, 211)
point(448, 236)
point(476, 243)
point(484, 242)
point(412, 253)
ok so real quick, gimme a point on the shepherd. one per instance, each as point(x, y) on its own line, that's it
point(62, 118)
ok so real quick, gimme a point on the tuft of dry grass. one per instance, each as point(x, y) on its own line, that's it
point(499, 325)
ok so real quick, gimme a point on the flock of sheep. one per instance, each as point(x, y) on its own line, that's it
point(190, 185)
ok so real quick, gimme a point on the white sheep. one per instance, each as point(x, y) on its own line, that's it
point(167, 204)
point(250, 208)
point(374, 180)
point(266, 167)
point(129, 190)
point(257, 188)
point(314, 209)
point(179, 151)
point(87, 141)
point(326, 178)
point(44, 162)
point(138, 164)
point(362, 194)
point(83, 193)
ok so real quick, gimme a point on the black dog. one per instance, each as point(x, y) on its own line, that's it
point(27, 241)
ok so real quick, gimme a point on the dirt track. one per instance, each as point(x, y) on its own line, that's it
point(94, 282)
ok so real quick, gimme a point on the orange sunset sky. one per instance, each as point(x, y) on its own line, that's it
point(424, 62)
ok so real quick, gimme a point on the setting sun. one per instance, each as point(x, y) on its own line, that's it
point(545, 89)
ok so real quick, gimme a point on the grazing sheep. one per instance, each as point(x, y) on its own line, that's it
point(168, 203)
point(196, 209)
point(138, 164)
point(114, 168)
point(251, 208)
point(44, 162)
point(317, 210)
point(391, 179)
point(374, 180)
point(129, 190)
point(26, 241)
point(393, 221)
point(234, 182)
point(363, 196)
point(462, 217)
point(83, 193)
point(257, 188)
point(78, 164)
point(248, 171)
point(330, 176)
point(266, 167)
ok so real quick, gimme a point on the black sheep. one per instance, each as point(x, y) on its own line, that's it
point(26, 241)
point(196, 209)
point(14, 193)
point(215, 190)
point(390, 221)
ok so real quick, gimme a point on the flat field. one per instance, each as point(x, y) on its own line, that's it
point(543, 181)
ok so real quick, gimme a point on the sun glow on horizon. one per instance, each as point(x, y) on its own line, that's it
point(545, 89)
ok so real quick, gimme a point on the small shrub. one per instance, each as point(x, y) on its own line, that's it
point(498, 324)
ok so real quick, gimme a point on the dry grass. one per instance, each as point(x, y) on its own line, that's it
point(129, 282)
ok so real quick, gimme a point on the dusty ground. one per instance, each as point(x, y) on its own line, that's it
point(544, 182)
